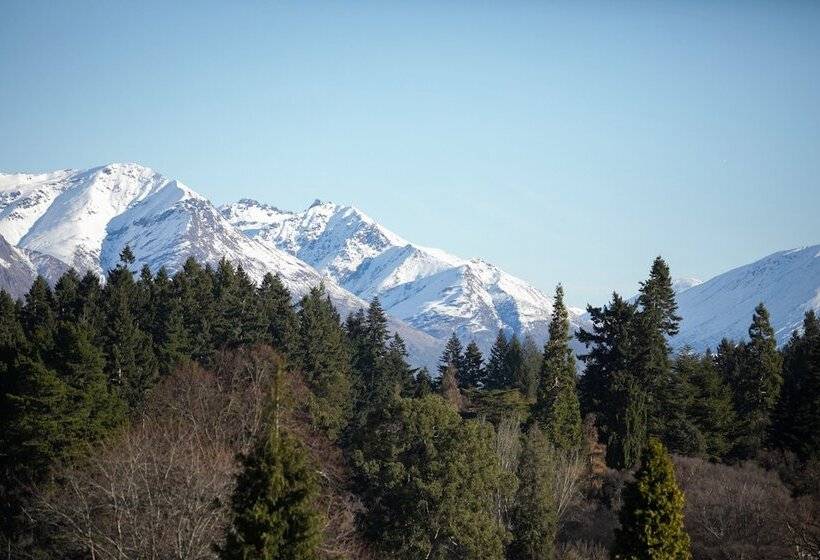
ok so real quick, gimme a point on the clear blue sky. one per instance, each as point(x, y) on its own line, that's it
point(562, 141)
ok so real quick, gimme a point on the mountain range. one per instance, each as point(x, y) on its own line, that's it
point(84, 218)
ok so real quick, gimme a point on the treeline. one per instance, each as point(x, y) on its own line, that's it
point(345, 450)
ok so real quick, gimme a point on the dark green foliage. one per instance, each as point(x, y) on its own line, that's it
point(609, 388)
point(711, 408)
point(321, 352)
point(556, 409)
point(472, 373)
point(534, 518)
point(497, 375)
point(453, 355)
point(657, 319)
point(532, 357)
point(626, 428)
point(798, 413)
point(677, 399)
point(515, 373)
point(757, 385)
point(38, 317)
point(273, 505)
point(423, 385)
point(427, 481)
point(280, 317)
point(239, 320)
point(652, 512)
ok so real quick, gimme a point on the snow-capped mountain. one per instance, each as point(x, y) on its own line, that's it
point(787, 282)
point(85, 218)
point(19, 268)
point(429, 289)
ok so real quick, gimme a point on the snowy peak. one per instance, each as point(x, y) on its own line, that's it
point(333, 238)
point(787, 282)
point(65, 214)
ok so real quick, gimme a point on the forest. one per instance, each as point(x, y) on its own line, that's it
point(197, 415)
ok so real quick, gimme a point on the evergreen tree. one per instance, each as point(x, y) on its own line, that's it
point(38, 317)
point(556, 409)
point(711, 409)
point(626, 421)
point(279, 314)
point(427, 480)
point(453, 355)
point(194, 286)
point(534, 518)
point(496, 371)
point(171, 339)
point(273, 514)
point(68, 306)
point(680, 432)
point(532, 356)
point(472, 375)
point(322, 354)
point(515, 372)
point(797, 417)
point(757, 389)
point(609, 389)
point(239, 318)
point(657, 319)
point(424, 384)
point(652, 513)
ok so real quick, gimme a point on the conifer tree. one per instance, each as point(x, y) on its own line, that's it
point(797, 418)
point(322, 354)
point(680, 432)
point(424, 384)
point(652, 512)
point(757, 389)
point(532, 356)
point(472, 375)
point(273, 514)
point(496, 370)
point(67, 304)
point(453, 355)
point(556, 409)
point(38, 317)
point(534, 518)
point(515, 372)
point(194, 286)
point(279, 314)
point(656, 320)
point(711, 409)
point(626, 421)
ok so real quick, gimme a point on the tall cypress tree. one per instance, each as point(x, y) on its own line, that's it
point(473, 374)
point(534, 518)
point(652, 512)
point(557, 409)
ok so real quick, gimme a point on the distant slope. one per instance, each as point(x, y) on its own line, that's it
point(787, 282)
point(429, 289)
point(19, 268)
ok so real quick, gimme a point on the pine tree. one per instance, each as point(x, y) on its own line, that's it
point(496, 370)
point(38, 317)
point(680, 432)
point(532, 356)
point(626, 421)
point(423, 385)
point(757, 389)
point(453, 356)
point(321, 352)
point(656, 320)
point(797, 418)
point(652, 513)
point(194, 286)
point(273, 513)
point(534, 518)
point(68, 306)
point(472, 375)
point(515, 372)
point(711, 409)
point(556, 409)
point(279, 314)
